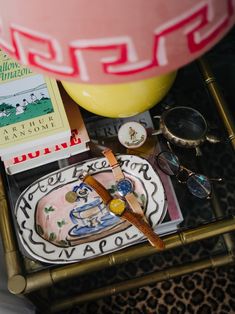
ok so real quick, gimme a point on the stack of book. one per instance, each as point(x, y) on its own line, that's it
point(39, 122)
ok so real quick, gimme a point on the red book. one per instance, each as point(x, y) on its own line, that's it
point(45, 154)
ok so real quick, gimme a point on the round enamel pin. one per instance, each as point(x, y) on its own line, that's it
point(132, 134)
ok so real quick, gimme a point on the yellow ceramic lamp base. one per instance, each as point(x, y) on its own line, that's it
point(120, 100)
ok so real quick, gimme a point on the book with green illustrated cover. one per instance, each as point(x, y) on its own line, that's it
point(31, 108)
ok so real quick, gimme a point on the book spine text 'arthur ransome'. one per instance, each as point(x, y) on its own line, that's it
point(31, 109)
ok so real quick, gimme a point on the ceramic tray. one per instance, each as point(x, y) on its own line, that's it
point(55, 231)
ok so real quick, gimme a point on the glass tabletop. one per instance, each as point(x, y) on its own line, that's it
point(216, 161)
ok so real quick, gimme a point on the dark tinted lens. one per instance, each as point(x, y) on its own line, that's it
point(168, 163)
point(199, 185)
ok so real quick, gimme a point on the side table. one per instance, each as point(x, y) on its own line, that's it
point(25, 276)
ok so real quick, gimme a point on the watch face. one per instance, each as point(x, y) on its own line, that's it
point(124, 187)
point(117, 206)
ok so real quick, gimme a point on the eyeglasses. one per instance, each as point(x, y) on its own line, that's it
point(198, 184)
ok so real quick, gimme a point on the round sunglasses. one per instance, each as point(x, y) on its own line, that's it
point(198, 184)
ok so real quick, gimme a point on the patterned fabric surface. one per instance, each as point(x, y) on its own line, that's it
point(210, 291)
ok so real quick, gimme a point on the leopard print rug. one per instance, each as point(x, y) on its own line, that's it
point(207, 292)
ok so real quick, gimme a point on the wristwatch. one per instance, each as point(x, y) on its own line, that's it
point(119, 207)
point(125, 186)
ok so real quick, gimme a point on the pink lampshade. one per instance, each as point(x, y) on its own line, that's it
point(109, 41)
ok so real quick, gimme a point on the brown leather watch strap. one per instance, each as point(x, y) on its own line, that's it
point(108, 153)
point(139, 223)
point(135, 205)
point(135, 219)
point(99, 188)
point(117, 171)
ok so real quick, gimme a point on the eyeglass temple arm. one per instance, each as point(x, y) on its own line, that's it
point(216, 179)
point(191, 172)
